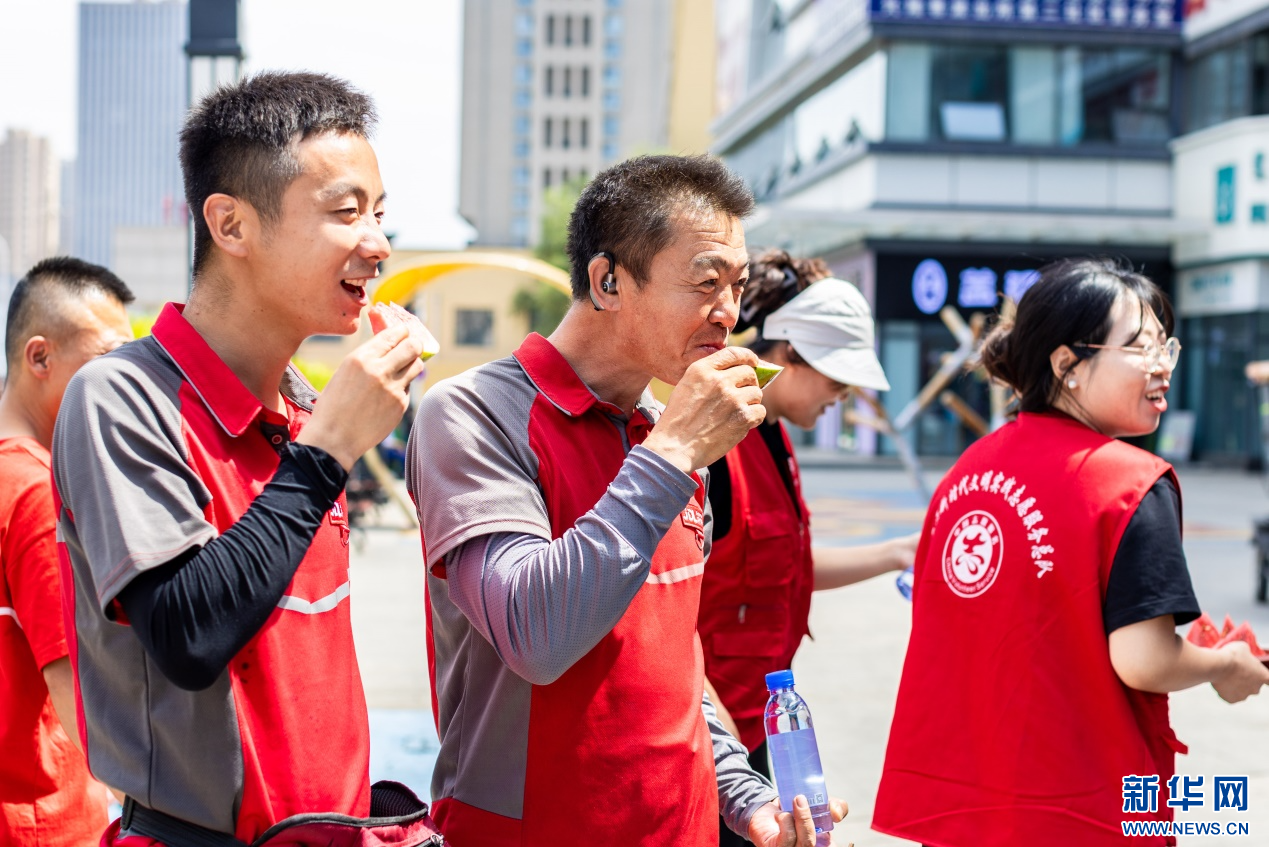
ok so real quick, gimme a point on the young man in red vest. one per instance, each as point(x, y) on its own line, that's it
point(205, 544)
point(565, 532)
point(63, 313)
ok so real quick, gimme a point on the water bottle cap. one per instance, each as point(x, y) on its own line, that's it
point(779, 679)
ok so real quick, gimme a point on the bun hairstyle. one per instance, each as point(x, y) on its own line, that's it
point(775, 278)
point(1070, 303)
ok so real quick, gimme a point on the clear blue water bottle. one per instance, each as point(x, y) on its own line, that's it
point(795, 757)
point(905, 581)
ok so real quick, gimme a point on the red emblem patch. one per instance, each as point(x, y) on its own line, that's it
point(972, 554)
point(694, 519)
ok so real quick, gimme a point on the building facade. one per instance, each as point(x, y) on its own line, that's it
point(29, 202)
point(555, 90)
point(133, 95)
point(1222, 198)
point(936, 152)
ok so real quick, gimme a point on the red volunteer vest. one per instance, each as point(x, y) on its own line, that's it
point(756, 597)
point(619, 752)
point(1011, 726)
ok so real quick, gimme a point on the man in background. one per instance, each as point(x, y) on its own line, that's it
point(62, 314)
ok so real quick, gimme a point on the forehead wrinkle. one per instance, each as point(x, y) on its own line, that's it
point(714, 261)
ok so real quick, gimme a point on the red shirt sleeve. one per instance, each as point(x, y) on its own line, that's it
point(31, 569)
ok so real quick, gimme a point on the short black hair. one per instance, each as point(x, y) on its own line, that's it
point(60, 274)
point(1069, 304)
point(240, 140)
point(629, 210)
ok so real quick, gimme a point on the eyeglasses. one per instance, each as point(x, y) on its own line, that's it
point(1153, 356)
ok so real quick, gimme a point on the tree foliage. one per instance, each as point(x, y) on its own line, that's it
point(543, 305)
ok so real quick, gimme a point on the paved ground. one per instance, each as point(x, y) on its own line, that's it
point(850, 672)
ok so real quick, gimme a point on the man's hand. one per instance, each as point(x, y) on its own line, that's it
point(1245, 676)
point(771, 827)
point(712, 408)
point(366, 397)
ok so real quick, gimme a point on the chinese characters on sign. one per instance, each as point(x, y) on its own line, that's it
point(1134, 14)
point(1141, 793)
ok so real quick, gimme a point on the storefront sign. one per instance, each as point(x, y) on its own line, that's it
point(1225, 194)
point(1111, 14)
point(915, 287)
point(1225, 289)
point(929, 286)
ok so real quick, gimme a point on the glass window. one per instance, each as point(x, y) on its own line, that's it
point(610, 151)
point(525, 2)
point(564, 175)
point(475, 326)
point(524, 25)
point(568, 31)
point(524, 74)
point(524, 98)
point(522, 125)
point(548, 81)
point(585, 80)
point(612, 101)
point(1125, 94)
point(520, 200)
point(522, 149)
point(520, 229)
point(586, 30)
point(565, 139)
point(1032, 94)
point(1260, 74)
point(612, 76)
point(968, 92)
point(1218, 87)
point(568, 82)
point(546, 177)
point(908, 93)
point(524, 48)
point(546, 133)
point(614, 4)
point(521, 175)
point(612, 125)
point(550, 29)
point(612, 49)
point(583, 133)
point(613, 26)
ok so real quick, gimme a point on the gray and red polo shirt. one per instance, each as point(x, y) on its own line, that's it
point(614, 749)
point(158, 449)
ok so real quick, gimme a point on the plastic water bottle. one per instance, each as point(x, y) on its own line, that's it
point(795, 757)
point(905, 581)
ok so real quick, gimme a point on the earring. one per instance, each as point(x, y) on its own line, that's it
point(1070, 384)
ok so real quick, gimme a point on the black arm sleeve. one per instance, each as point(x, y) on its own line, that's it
point(194, 613)
point(1149, 577)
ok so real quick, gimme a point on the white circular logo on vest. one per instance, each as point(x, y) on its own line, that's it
point(972, 554)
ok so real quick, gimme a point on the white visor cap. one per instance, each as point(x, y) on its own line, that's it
point(830, 326)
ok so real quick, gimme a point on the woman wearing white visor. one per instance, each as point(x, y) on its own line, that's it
point(756, 595)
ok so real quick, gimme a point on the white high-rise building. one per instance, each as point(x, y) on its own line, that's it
point(554, 90)
point(133, 95)
point(28, 202)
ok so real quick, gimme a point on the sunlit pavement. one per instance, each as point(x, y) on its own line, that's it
point(850, 672)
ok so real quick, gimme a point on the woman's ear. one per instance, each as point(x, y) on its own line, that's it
point(1063, 360)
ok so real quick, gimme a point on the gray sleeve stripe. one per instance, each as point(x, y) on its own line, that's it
point(677, 575)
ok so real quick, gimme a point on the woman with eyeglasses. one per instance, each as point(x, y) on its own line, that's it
point(1050, 580)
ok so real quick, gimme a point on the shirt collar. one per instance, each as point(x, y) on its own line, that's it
point(230, 402)
point(554, 377)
